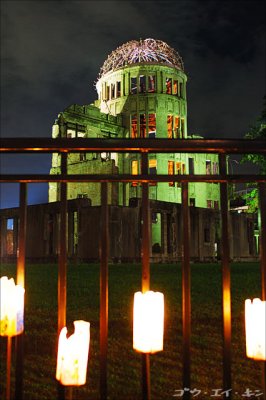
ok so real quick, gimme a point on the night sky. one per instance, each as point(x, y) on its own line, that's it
point(52, 51)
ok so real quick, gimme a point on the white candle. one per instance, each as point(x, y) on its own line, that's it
point(12, 307)
point(72, 358)
point(148, 322)
point(255, 318)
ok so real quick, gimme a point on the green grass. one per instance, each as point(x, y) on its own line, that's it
point(124, 365)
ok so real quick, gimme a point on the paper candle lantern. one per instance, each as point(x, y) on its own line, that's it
point(255, 316)
point(72, 357)
point(11, 307)
point(148, 322)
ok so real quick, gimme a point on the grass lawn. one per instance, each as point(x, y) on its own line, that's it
point(124, 364)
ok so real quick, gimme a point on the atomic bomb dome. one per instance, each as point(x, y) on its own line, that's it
point(142, 51)
point(142, 93)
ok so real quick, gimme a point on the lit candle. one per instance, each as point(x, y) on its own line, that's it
point(72, 357)
point(148, 322)
point(255, 316)
point(11, 307)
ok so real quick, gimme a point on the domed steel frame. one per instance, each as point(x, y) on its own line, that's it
point(142, 51)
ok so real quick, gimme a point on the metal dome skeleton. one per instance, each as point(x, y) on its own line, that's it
point(142, 51)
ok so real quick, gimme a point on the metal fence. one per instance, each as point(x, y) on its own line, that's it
point(65, 146)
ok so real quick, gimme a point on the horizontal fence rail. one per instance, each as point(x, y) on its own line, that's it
point(61, 145)
point(143, 147)
point(143, 178)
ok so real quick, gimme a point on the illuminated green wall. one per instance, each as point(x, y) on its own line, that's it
point(133, 102)
point(86, 121)
point(122, 92)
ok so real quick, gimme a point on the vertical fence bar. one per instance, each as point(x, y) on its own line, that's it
point(62, 260)
point(22, 235)
point(226, 283)
point(8, 366)
point(186, 289)
point(104, 248)
point(21, 281)
point(145, 257)
point(262, 198)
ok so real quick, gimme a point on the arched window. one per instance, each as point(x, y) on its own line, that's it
point(168, 84)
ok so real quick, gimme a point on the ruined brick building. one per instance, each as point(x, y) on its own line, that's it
point(141, 94)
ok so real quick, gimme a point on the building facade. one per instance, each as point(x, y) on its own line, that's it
point(141, 94)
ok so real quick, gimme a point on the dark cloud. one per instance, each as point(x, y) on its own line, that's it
point(52, 51)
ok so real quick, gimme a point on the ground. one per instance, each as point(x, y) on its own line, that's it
point(124, 365)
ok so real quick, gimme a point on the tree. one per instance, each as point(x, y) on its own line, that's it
point(257, 131)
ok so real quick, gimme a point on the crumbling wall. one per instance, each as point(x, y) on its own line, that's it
point(83, 233)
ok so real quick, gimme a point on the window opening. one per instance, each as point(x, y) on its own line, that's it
point(178, 165)
point(192, 202)
point(134, 170)
point(142, 125)
point(168, 84)
point(10, 224)
point(182, 128)
point(176, 127)
point(215, 167)
point(107, 92)
point(81, 129)
point(191, 165)
point(133, 85)
point(171, 167)
point(208, 167)
point(154, 218)
point(151, 83)
point(153, 170)
point(10, 236)
point(175, 88)
point(82, 156)
point(180, 89)
point(216, 204)
point(209, 204)
point(112, 90)
point(134, 128)
point(118, 89)
point(169, 126)
point(180, 168)
point(142, 84)
point(152, 126)
point(105, 156)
